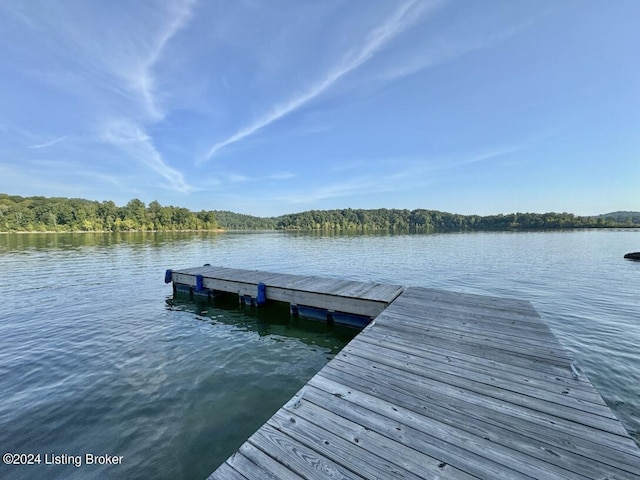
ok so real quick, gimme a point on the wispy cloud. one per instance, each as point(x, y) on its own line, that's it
point(49, 143)
point(281, 176)
point(57, 176)
point(236, 178)
point(398, 174)
point(81, 170)
point(230, 178)
point(130, 138)
point(448, 47)
point(107, 59)
point(356, 186)
point(133, 73)
point(489, 155)
point(404, 17)
point(142, 78)
point(438, 167)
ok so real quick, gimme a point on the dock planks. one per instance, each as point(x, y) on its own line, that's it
point(359, 298)
point(442, 385)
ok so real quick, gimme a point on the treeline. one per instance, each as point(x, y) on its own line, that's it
point(432, 220)
point(237, 221)
point(35, 214)
point(628, 218)
point(74, 214)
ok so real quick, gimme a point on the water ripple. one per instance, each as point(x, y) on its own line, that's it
point(94, 360)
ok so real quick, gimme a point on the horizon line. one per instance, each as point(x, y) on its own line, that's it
point(330, 209)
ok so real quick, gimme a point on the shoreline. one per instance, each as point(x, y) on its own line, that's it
point(23, 232)
point(355, 230)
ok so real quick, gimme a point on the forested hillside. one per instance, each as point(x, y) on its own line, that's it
point(238, 221)
point(429, 220)
point(74, 214)
point(628, 218)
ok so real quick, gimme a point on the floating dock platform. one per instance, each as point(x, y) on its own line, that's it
point(340, 301)
point(439, 385)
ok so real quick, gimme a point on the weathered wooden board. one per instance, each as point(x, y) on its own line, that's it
point(450, 422)
point(396, 357)
point(443, 385)
point(379, 455)
point(495, 421)
point(339, 295)
point(516, 371)
point(454, 328)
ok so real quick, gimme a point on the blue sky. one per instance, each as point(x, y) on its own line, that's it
point(280, 106)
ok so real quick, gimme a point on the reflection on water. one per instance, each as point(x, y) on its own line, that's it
point(272, 319)
point(95, 355)
point(96, 358)
point(35, 241)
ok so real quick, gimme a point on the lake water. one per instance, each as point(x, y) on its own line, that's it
point(95, 356)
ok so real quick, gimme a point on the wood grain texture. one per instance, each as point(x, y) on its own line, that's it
point(439, 385)
point(348, 296)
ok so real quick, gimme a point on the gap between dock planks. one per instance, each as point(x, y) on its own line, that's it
point(444, 385)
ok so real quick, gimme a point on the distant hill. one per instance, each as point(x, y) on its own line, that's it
point(38, 214)
point(238, 221)
point(622, 217)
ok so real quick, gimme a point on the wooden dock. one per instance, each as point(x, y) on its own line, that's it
point(444, 385)
point(346, 296)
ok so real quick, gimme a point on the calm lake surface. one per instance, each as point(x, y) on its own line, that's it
point(96, 357)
